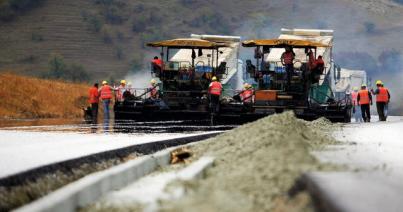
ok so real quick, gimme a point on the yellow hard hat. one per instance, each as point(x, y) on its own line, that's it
point(363, 85)
point(104, 82)
point(246, 85)
point(378, 82)
point(122, 81)
point(355, 88)
point(214, 78)
point(153, 81)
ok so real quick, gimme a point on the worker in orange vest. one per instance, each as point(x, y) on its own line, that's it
point(94, 100)
point(214, 91)
point(247, 94)
point(287, 59)
point(106, 93)
point(364, 99)
point(156, 66)
point(382, 99)
point(356, 109)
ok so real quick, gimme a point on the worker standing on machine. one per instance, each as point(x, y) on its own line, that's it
point(120, 90)
point(247, 94)
point(382, 99)
point(287, 59)
point(153, 90)
point(364, 99)
point(356, 108)
point(214, 90)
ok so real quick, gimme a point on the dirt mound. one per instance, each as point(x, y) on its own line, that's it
point(256, 164)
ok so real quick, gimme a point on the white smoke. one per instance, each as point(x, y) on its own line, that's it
point(139, 80)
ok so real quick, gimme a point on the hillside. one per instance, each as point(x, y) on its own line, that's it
point(106, 38)
point(26, 97)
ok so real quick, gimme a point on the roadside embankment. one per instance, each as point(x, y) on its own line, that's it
point(27, 97)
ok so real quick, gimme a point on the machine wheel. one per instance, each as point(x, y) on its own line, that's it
point(279, 110)
point(347, 116)
point(212, 119)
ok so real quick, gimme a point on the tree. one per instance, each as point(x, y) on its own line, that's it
point(57, 66)
point(77, 73)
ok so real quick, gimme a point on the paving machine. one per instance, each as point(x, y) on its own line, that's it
point(310, 93)
point(183, 79)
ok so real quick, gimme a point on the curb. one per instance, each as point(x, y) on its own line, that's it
point(145, 149)
point(91, 187)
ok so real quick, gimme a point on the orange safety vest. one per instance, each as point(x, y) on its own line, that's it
point(157, 62)
point(382, 96)
point(364, 97)
point(288, 57)
point(354, 95)
point(106, 92)
point(94, 95)
point(215, 88)
point(247, 95)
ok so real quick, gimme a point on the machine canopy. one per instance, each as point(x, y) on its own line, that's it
point(187, 43)
point(280, 43)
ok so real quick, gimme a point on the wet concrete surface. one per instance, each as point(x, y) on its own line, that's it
point(27, 144)
point(372, 153)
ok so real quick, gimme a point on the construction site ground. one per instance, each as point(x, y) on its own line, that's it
point(278, 163)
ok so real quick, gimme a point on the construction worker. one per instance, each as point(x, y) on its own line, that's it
point(364, 99)
point(214, 90)
point(94, 100)
point(382, 99)
point(156, 66)
point(105, 93)
point(120, 90)
point(247, 94)
point(153, 90)
point(356, 108)
point(287, 59)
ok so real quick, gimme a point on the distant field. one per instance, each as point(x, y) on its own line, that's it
point(26, 97)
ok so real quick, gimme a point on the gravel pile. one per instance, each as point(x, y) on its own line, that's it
point(256, 165)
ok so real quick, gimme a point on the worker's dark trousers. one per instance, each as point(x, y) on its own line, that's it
point(380, 107)
point(366, 115)
point(94, 113)
point(214, 103)
point(289, 69)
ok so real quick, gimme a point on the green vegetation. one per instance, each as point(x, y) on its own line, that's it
point(11, 8)
point(370, 27)
point(58, 69)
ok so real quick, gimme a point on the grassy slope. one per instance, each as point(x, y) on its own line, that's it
point(25, 97)
point(64, 31)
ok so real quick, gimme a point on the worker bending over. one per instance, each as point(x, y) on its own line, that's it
point(382, 100)
point(356, 109)
point(214, 90)
point(364, 99)
point(106, 96)
point(247, 94)
point(94, 100)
